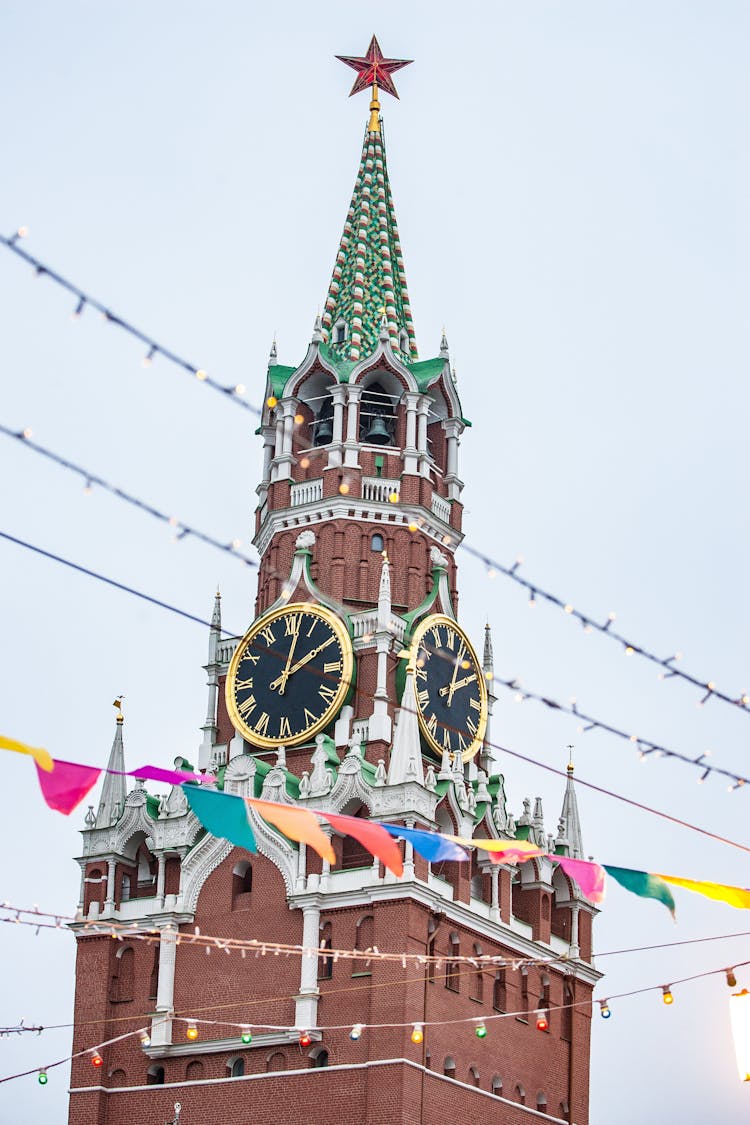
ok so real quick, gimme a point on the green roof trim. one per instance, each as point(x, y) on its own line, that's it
point(152, 806)
point(278, 377)
point(426, 371)
point(342, 367)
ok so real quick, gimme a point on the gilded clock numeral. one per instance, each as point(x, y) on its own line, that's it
point(326, 693)
point(446, 739)
point(435, 634)
point(240, 684)
point(471, 726)
point(285, 730)
point(474, 702)
point(268, 635)
point(247, 706)
point(253, 657)
point(423, 698)
point(461, 743)
point(314, 623)
point(262, 724)
point(432, 725)
point(291, 625)
point(450, 639)
point(421, 674)
point(310, 718)
point(334, 666)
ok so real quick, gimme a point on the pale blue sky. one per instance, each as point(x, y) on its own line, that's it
point(571, 187)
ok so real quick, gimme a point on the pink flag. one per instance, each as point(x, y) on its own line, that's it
point(169, 777)
point(588, 876)
point(66, 784)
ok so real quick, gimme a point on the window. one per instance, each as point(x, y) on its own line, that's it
point(319, 1057)
point(541, 1102)
point(242, 885)
point(377, 543)
point(236, 1068)
point(276, 1061)
point(155, 1076)
point(524, 994)
point(117, 1078)
point(153, 984)
point(194, 1071)
point(376, 416)
point(473, 1076)
point(430, 963)
point(449, 1067)
point(125, 888)
point(499, 992)
point(520, 1094)
point(497, 1086)
point(325, 961)
point(122, 984)
point(364, 940)
point(323, 425)
point(340, 332)
point(452, 979)
point(477, 992)
point(566, 1015)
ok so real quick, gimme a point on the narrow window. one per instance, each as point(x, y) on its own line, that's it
point(236, 1068)
point(377, 543)
point(452, 979)
point(449, 1067)
point(325, 960)
point(497, 1086)
point(155, 1076)
point(478, 978)
point(364, 940)
point(474, 1076)
point(319, 1057)
point(499, 992)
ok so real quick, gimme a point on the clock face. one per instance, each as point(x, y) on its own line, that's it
point(450, 688)
point(289, 675)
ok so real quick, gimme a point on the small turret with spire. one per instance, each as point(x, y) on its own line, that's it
point(569, 815)
point(209, 727)
point(114, 789)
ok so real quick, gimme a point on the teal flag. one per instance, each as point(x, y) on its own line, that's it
point(222, 814)
point(642, 884)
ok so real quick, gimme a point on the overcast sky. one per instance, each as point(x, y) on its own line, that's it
point(571, 186)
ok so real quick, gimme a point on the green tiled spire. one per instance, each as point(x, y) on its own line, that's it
point(368, 279)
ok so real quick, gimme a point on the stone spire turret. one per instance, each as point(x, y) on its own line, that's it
point(488, 667)
point(209, 727)
point(406, 755)
point(114, 789)
point(570, 817)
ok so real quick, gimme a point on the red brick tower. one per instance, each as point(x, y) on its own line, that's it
point(358, 520)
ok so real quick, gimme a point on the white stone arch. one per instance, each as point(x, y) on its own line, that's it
point(350, 788)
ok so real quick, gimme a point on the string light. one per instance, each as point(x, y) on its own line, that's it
point(305, 1039)
point(149, 357)
point(42, 1079)
point(666, 994)
point(417, 1033)
point(145, 1039)
point(356, 1032)
point(247, 1036)
point(542, 1021)
point(604, 1009)
point(191, 1031)
point(111, 318)
point(481, 1030)
point(731, 978)
point(96, 1059)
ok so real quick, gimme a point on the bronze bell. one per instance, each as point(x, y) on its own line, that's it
point(378, 433)
point(324, 432)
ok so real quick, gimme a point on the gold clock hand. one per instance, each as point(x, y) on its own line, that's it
point(285, 673)
point(459, 684)
point(452, 685)
point(300, 663)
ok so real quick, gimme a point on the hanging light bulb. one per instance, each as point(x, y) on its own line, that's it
point(96, 1059)
point(305, 1038)
point(666, 994)
point(191, 1031)
point(356, 1032)
point(542, 1021)
point(417, 1033)
point(247, 1035)
point(731, 978)
point(481, 1030)
point(42, 1079)
point(604, 1009)
point(739, 1013)
point(145, 1038)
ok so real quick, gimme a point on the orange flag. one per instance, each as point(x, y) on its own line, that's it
point(297, 824)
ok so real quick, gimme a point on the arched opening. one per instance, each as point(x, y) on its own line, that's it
point(276, 1061)
point(474, 1075)
point(153, 983)
point(541, 1102)
point(497, 1086)
point(376, 416)
point(499, 992)
point(155, 1076)
point(566, 1015)
point(524, 993)
point(477, 992)
point(194, 1071)
point(322, 427)
point(242, 885)
point(377, 543)
point(449, 1067)
point(117, 1078)
point(339, 331)
point(318, 1057)
point(122, 984)
point(325, 960)
point(236, 1067)
point(520, 1094)
point(364, 940)
point(353, 854)
point(452, 978)
point(125, 888)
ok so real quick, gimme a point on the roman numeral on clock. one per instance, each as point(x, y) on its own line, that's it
point(247, 706)
point(285, 730)
point(291, 626)
point(240, 684)
point(268, 635)
point(334, 666)
point(327, 694)
point(310, 718)
point(423, 698)
point(261, 727)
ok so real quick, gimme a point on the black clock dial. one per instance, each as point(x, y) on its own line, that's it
point(289, 675)
point(450, 688)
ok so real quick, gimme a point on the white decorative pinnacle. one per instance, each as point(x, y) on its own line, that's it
point(384, 596)
point(406, 753)
point(114, 789)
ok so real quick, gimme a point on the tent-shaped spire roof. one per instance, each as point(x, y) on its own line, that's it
point(571, 818)
point(368, 279)
point(114, 789)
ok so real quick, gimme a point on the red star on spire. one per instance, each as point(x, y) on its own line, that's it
point(373, 69)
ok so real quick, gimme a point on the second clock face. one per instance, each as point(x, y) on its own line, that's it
point(289, 675)
point(450, 688)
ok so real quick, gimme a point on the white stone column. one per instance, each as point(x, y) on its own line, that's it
point(351, 446)
point(410, 449)
point(160, 871)
point(423, 411)
point(495, 888)
point(452, 428)
point(575, 949)
point(109, 902)
point(306, 1003)
point(161, 1021)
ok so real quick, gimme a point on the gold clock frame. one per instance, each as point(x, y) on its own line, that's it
point(424, 627)
point(345, 677)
